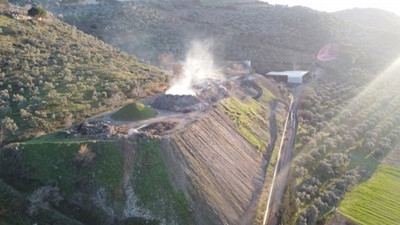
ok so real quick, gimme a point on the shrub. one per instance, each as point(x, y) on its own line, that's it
point(37, 12)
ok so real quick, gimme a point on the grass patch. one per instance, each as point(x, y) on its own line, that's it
point(376, 201)
point(250, 118)
point(134, 112)
point(154, 188)
point(55, 162)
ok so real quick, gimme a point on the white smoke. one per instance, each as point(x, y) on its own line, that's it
point(198, 67)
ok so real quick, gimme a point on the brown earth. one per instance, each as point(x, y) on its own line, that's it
point(216, 167)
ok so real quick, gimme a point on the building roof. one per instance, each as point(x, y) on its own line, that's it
point(293, 73)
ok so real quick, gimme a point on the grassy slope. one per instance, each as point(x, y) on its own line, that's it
point(63, 75)
point(251, 117)
point(376, 201)
point(134, 112)
point(55, 162)
point(154, 189)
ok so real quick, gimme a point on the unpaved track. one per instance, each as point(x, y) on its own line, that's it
point(282, 167)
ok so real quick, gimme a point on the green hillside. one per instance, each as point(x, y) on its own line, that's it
point(58, 181)
point(273, 37)
point(52, 74)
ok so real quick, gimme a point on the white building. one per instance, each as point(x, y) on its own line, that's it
point(295, 77)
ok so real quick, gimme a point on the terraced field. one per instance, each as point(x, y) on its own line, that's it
point(376, 201)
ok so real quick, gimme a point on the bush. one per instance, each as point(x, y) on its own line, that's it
point(37, 12)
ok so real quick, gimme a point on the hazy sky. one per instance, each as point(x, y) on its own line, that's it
point(332, 6)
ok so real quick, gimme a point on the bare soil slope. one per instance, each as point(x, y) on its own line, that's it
point(217, 168)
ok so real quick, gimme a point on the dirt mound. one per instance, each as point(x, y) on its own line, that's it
point(178, 103)
point(159, 128)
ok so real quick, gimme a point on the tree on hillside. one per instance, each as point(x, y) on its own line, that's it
point(37, 12)
point(8, 125)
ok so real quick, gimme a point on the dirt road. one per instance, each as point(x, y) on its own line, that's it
point(282, 167)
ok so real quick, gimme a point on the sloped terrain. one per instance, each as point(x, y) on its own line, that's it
point(53, 74)
point(347, 128)
point(273, 37)
point(181, 168)
point(220, 170)
point(219, 164)
point(373, 18)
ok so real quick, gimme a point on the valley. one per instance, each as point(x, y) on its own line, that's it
point(148, 112)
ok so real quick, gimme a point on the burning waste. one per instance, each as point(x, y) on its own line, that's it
point(178, 103)
point(197, 68)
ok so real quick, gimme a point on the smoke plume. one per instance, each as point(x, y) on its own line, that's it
point(198, 67)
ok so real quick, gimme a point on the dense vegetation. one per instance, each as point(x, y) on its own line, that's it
point(52, 74)
point(345, 128)
point(273, 37)
point(37, 12)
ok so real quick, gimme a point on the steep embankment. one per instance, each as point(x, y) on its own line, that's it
point(220, 160)
point(219, 169)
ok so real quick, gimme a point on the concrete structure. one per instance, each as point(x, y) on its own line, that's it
point(295, 77)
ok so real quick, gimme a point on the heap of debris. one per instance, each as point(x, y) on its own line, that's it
point(159, 128)
point(94, 129)
point(178, 103)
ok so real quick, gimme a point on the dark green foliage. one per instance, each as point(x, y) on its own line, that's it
point(15, 169)
point(288, 208)
point(139, 221)
point(73, 194)
point(37, 12)
point(134, 112)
